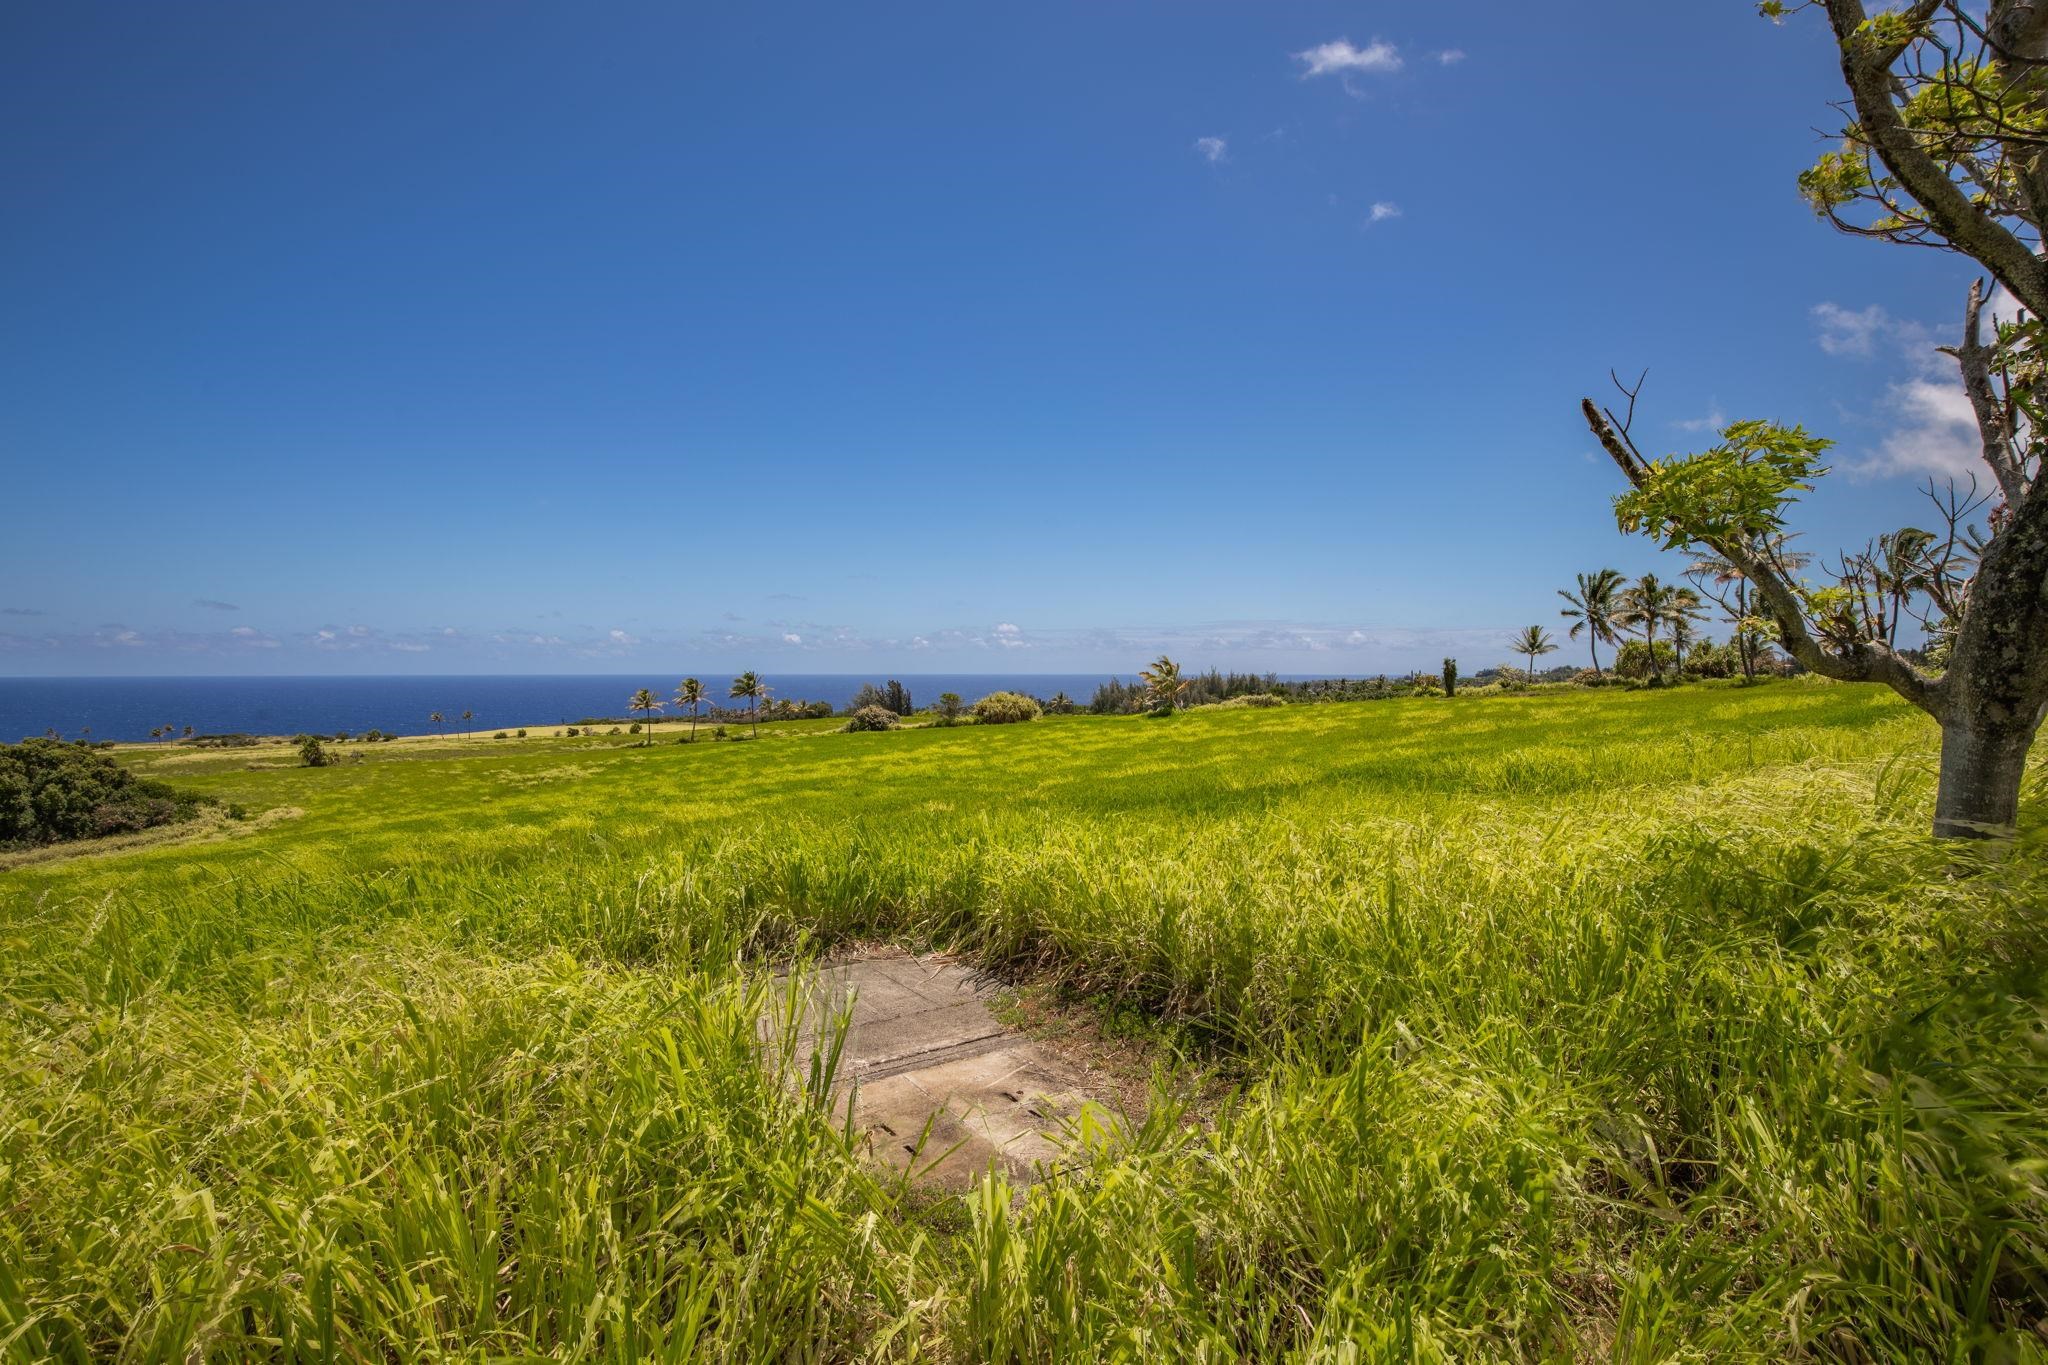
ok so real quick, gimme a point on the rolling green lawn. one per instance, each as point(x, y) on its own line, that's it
point(1626, 1025)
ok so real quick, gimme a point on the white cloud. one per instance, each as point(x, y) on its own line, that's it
point(409, 647)
point(1339, 57)
point(1007, 629)
point(1713, 420)
point(1382, 211)
point(1450, 56)
point(1932, 429)
point(792, 638)
point(1843, 332)
point(619, 637)
point(1936, 432)
point(1213, 149)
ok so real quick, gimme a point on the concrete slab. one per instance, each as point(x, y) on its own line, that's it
point(939, 1088)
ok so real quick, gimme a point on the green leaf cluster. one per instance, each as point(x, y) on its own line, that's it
point(1733, 493)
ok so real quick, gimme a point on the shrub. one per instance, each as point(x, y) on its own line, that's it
point(633, 729)
point(312, 753)
point(51, 791)
point(571, 732)
point(1632, 660)
point(1254, 699)
point(871, 718)
point(1005, 708)
point(893, 696)
point(720, 733)
point(233, 741)
point(341, 736)
point(949, 708)
point(522, 734)
point(499, 735)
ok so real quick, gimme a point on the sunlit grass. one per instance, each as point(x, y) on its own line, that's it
point(1598, 1024)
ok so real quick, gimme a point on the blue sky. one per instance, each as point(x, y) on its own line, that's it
point(453, 338)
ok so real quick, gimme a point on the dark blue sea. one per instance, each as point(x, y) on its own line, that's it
point(129, 708)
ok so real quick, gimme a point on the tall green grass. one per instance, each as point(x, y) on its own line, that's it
point(1621, 1026)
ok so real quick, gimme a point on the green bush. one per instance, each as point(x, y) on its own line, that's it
point(1005, 708)
point(51, 791)
point(871, 718)
point(1254, 699)
point(522, 734)
point(312, 753)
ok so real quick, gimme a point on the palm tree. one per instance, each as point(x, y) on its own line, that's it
point(691, 694)
point(157, 733)
point(646, 704)
point(750, 687)
point(436, 719)
point(1592, 609)
point(1646, 605)
point(1532, 642)
point(1163, 684)
point(467, 716)
point(1060, 704)
point(1686, 612)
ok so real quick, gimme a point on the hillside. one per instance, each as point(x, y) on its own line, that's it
point(1570, 1024)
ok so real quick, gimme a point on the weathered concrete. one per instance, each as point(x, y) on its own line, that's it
point(938, 1086)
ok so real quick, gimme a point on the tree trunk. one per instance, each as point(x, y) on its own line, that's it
point(1981, 768)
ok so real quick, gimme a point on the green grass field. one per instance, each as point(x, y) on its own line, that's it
point(1630, 1026)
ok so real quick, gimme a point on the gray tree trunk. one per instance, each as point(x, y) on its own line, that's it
point(1981, 769)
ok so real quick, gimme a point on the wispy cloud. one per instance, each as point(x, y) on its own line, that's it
point(21, 611)
point(1450, 56)
point(1930, 427)
point(1382, 211)
point(1712, 420)
point(1846, 332)
point(1213, 149)
point(1340, 58)
point(211, 605)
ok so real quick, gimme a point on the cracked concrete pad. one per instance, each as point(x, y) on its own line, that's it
point(939, 1088)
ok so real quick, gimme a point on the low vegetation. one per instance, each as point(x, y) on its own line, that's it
point(1006, 708)
point(51, 792)
point(1568, 1024)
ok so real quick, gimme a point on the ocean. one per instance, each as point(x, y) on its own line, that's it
point(129, 708)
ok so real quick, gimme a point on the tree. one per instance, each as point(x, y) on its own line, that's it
point(1686, 614)
point(949, 708)
point(188, 732)
point(312, 753)
point(157, 733)
point(1726, 586)
point(1943, 147)
point(1450, 677)
point(750, 687)
point(467, 716)
point(436, 719)
point(1060, 705)
point(1533, 641)
point(1645, 605)
point(1592, 609)
point(646, 703)
point(1163, 685)
point(691, 694)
